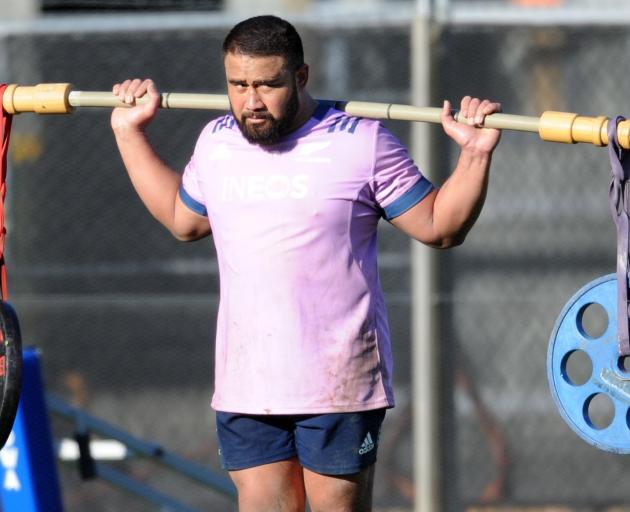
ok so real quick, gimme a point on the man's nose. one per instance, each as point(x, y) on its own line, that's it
point(253, 100)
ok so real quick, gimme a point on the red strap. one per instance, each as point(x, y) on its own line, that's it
point(5, 121)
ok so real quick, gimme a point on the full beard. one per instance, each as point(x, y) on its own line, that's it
point(272, 130)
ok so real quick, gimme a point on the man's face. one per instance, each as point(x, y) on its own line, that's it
point(263, 96)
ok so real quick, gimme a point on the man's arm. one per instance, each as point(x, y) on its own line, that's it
point(446, 215)
point(155, 182)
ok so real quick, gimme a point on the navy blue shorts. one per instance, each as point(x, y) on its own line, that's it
point(329, 444)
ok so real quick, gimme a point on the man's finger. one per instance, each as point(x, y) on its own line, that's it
point(482, 110)
point(142, 88)
point(488, 108)
point(152, 89)
point(464, 105)
point(494, 108)
point(122, 90)
point(473, 111)
point(446, 108)
point(447, 113)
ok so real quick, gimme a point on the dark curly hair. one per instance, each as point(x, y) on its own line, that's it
point(265, 36)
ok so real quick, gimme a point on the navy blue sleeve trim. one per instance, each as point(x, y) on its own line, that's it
point(191, 203)
point(410, 198)
point(322, 107)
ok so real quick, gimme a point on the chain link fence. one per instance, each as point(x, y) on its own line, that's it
point(124, 314)
point(545, 232)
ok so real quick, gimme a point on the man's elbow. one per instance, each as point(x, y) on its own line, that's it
point(183, 237)
point(188, 236)
point(453, 241)
point(444, 242)
point(188, 228)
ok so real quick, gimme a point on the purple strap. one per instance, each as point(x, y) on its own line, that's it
point(618, 195)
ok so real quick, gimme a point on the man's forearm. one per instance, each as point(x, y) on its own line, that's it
point(155, 182)
point(461, 198)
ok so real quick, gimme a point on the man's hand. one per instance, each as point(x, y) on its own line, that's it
point(472, 136)
point(139, 116)
point(445, 215)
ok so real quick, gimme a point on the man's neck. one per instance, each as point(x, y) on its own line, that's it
point(307, 108)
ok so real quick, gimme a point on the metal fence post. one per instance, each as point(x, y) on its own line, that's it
point(425, 346)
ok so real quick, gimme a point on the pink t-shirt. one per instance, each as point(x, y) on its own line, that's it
point(302, 326)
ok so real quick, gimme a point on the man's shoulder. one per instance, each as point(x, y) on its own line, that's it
point(336, 121)
point(219, 124)
point(216, 133)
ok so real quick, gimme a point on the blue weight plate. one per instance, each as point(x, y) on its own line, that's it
point(608, 376)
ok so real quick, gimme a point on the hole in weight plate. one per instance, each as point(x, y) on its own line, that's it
point(593, 320)
point(624, 364)
point(577, 367)
point(599, 411)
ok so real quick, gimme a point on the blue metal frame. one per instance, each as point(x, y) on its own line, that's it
point(28, 470)
point(87, 422)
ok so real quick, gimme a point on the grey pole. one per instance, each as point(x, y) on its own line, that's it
point(15, 10)
point(425, 345)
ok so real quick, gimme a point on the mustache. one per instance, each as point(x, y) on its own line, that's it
point(256, 115)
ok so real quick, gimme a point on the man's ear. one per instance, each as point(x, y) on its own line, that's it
point(301, 76)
